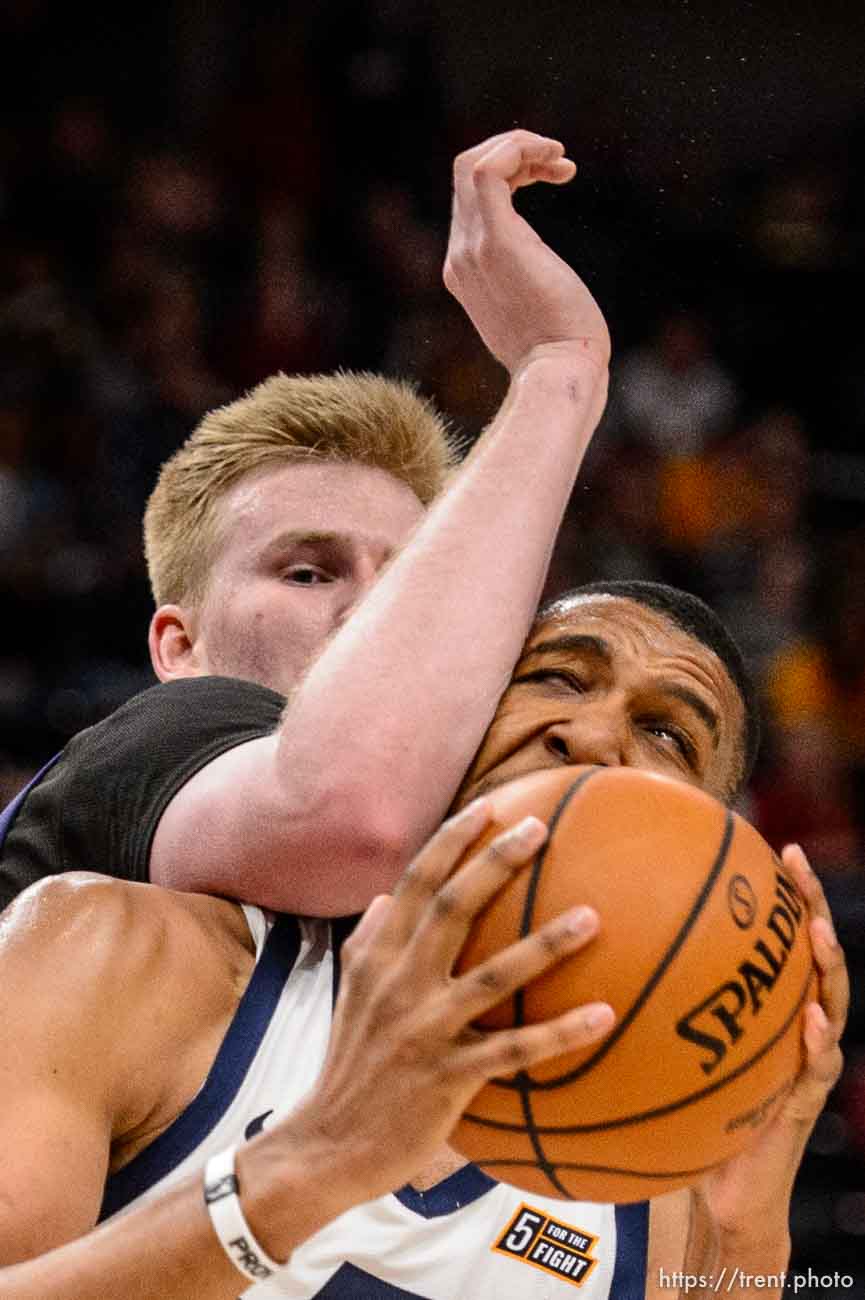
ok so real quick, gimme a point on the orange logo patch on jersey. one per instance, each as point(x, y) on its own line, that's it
point(559, 1248)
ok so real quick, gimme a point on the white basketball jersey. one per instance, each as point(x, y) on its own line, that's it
point(467, 1238)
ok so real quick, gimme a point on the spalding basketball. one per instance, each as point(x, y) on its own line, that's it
point(704, 955)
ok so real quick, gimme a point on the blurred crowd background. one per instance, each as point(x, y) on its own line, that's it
point(195, 195)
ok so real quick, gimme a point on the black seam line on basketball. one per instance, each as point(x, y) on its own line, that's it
point(531, 1128)
point(521, 1163)
point(652, 982)
point(542, 1162)
point(535, 877)
point(625, 1120)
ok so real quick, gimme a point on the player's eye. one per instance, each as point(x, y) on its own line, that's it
point(557, 677)
point(674, 737)
point(306, 575)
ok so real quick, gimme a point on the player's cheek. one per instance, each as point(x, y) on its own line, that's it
point(517, 723)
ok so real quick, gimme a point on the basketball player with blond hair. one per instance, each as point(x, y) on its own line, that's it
point(212, 782)
point(294, 517)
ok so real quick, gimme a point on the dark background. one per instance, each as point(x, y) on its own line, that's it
point(193, 196)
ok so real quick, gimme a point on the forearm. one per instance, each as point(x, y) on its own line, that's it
point(168, 1250)
point(419, 667)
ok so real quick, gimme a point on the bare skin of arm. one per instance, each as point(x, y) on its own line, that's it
point(401, 1067)
point(376, 738)
point(96, 1060)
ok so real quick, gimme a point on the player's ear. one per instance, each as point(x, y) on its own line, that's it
point(174, 650)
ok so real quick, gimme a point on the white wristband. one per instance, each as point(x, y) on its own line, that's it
point(234, 1233)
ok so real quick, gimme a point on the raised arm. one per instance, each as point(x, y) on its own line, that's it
point(375, 740)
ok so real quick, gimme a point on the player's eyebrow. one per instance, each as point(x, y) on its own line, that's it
point(297, 537)
point(305, 537)
point(697, 703)
point(579, 641)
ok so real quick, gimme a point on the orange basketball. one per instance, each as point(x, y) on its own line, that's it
point(704, 955)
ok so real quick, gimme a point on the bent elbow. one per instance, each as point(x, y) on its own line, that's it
point(370, 845)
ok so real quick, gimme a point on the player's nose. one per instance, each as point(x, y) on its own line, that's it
point(597, 737)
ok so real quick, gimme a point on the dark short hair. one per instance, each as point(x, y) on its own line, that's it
point(696, 618)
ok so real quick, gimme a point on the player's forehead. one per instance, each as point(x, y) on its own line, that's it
point(619, 630)
point(317, 498)
point(607, 613)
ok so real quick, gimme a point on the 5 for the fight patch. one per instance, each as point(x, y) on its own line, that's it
point(547, 1243)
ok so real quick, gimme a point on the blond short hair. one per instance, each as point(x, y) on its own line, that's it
point(357, 417)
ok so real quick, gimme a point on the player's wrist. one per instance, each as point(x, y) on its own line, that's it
point(559, 386)
point(587, 356)
point(289, 1189)
point(563, 374)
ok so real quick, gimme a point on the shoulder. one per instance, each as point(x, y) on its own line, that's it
point(100, 803)
point(79, 936)
point(55, 915)
point(79, 915)
point(104, 981)
point(192, 711)
point(249, 701)
point(73, 949)
point(87, 965)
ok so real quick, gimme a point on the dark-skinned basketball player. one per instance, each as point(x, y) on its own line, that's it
point(107, 1086)
point(604, 679)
